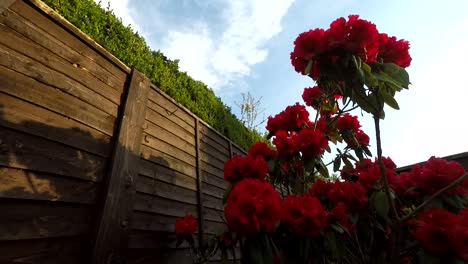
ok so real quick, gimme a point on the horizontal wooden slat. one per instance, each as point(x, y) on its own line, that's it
point(160, 131)
point(164, 174)
point(151, 256)
point(153, 222)
point(153, 204)
point(213, 190)
point(168, 149)
point(19, 43)
point(48, 250)
point(216, 151)
point(171, 116)
point(212, 202)
point(163, 159)
point(27, 66)
point(21, 184)
point(47, 41)
point(24, 220)
point(30, 118)
point(24, 151)
point(218, 172)
point(237, 151)
point(158, 188)
point(213, 215)
point(171, 107)
point(161, 120)
point(68, 37)
point(214, 180)
point(212, 135)
point(49, 97)
point(210, 159)
point(153, 240)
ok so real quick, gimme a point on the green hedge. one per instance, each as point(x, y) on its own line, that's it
point(106, 29)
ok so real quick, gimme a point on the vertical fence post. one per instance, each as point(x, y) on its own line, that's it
point(201, 222)
point(113, 226)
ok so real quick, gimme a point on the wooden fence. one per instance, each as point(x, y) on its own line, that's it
point(96, 163)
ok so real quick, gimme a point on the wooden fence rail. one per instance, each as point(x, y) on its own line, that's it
point(96, 163)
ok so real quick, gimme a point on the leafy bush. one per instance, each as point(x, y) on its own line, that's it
point(106, 29)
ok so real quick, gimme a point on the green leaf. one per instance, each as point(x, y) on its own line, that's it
point(309, 67)
point(347, 162)
point(337, 228)
point(323, 169)
point(337, 163)
point(388, 99)
point(309, 164)
point(381, 204)
point(328, 149)
point(424, 258)
point(226, 194)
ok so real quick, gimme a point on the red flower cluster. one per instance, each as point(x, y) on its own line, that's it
point(239, 168)
point(368, 172)
point(347, 122)
point(253, 206)
point(393, 50)
point(304, 215)
point(357, 36)
point(429, 178)
point(293, 118)
point(441, 232)
point(261, 149)
point(185, 226)
point(437, 173)
point(312, 96)
point(308, 141)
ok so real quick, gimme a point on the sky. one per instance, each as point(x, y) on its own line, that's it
point(240, 46)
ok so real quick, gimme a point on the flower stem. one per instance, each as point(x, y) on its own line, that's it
point(435, 195)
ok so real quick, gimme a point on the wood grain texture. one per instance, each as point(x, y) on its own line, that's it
point(113, 224)
point(32, 119)
point(153, 222)
point(171, 116)
point(156, 118)
point(169, 191)
point(42, 37)
point(23, 151)
point(41, 73)
point(48, 17)
point(162, 133)
point(168, 161)
point(71, 250)
point(168, 149)
point(5, 4)
point(162, 173)
point(29, 89)
point(158, 205)
point(19, 43)
point(170, 107)
point(28, 220)
point(22, 184)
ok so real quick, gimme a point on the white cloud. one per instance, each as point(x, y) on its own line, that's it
point(121, 10)
point(220, 60)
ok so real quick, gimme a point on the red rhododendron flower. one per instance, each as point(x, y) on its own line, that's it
point(320, 189)
point(306, 46)
point(304, 215)
point(338, 215)
point(239, 168)
point(361, 140)
point(347, 122)
point(310, 142)
point(284, 143)
point(293, 118)
point(441, 232)
point(362, 38)
point(394, 51)
point(437, 173)
point(253, 206)
point(261, 149)
point(353, 195)
point(185, 226)
point(312, 96)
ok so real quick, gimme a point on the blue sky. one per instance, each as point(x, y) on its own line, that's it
point(239, 46)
